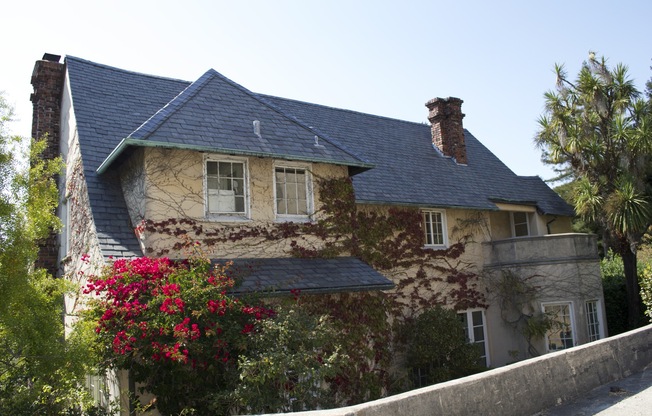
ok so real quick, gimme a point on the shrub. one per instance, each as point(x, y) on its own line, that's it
point(437, 349)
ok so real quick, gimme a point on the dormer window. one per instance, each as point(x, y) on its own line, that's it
point(226, 187)
point(293, 193)
point(434, 222)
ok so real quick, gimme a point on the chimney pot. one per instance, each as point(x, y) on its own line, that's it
point(445, 116)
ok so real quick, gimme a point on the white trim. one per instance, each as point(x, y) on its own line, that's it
point(225, 216)
point(444, 228)
point(598, 308)
point(471, 334)
point(310, 203)
point(573, 327)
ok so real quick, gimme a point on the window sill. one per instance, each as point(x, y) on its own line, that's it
point(300, 219)
point(226, 218)
point(437, 247)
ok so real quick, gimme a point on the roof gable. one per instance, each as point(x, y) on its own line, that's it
point(215, 114)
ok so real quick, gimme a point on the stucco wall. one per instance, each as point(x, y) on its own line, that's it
point(521, 389)
point(562, 268)
point(164, 184)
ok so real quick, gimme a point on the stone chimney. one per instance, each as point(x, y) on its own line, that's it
point(445, 115)
point(47, 80)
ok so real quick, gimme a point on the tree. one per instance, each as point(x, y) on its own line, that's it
point(40, 373)
point(596, 130)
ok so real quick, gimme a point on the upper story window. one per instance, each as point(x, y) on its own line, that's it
point(293, 192)
point(520, 224)
point(434, 223)
point(226, 187)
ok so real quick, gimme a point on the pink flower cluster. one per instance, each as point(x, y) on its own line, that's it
point(161, 310)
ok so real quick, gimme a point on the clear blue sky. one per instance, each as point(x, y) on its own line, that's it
point(379, 57)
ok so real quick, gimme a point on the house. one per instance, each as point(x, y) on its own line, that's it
point(148, 157)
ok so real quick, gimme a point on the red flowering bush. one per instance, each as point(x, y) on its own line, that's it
point(175, 328)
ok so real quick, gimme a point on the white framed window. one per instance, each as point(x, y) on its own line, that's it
point(520, 224)
point(562, 333)
point(292, 192)
point(226, 186)
point(434, 223)
point(593, 320)
point(476, 331)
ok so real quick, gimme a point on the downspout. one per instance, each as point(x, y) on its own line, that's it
point(548, 224)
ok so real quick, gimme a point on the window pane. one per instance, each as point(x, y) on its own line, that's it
point(211, 168)
point(225, 169)
point(520, 230)
point(237, 170)
point(238, 186)
point(477, 318)
point(281, 207)
point(213, 183)
point(478, 334)
point(303, 207)
point(224, 184)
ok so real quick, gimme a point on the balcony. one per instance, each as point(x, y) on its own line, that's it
point(544, 249)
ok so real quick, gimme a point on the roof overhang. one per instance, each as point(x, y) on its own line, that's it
point(127, 143)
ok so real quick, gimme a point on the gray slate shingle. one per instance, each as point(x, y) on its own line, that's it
point(111, 104)
point(312, 275)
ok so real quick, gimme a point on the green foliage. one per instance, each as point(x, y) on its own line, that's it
point(646, 290)
point(596, 131)
point(287, 362)
point(437, 357)
point(615, 293)
point(365, 336)
point(199, 349)
point(40, 372)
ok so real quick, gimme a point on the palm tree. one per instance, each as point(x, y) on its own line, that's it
point(596, 131)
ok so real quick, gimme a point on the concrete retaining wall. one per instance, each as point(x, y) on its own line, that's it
point(523, 388)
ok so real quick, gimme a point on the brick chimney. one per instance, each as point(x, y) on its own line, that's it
point(47, 80)
point(445, 115)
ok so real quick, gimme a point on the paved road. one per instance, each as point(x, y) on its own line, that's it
point(631, 396)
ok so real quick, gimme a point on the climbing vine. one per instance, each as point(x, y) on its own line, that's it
point(390, 241)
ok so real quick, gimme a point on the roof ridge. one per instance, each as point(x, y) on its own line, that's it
point(114, 68)
point(346, 110)
point(157, 119)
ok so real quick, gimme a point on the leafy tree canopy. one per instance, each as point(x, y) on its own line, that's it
point(39, 372)
point(596, 131)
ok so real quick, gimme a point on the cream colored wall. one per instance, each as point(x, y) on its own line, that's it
point(501, 226)
point(171, 184)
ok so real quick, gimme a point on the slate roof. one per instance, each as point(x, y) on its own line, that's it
point(116, 109)
point(410, 171)
point(309, 275)
point(215, 114)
